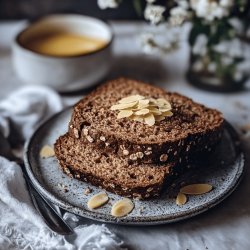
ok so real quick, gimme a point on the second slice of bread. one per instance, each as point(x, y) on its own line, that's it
point(83, 162)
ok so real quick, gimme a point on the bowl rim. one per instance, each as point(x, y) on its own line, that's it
point(20, 45)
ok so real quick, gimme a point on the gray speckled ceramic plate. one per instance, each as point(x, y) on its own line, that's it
point(228, 168)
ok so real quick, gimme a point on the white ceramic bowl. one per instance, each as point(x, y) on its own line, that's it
point(63, 73)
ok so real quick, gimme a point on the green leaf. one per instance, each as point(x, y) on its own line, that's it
point(221, 30)
point(138, 7)
point(197, 29)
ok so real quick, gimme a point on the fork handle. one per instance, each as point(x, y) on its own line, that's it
point(47, 212)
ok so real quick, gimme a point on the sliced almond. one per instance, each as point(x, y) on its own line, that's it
point(122, 207)
point(181, 199)
point(97, 200)
point(142, 103)
point(159, 118)
point(123, 106)
point(47, 151)
point(124, 113)
point(154, 110)
point(149, 119)
point(163, 109)
point(195, 189)
point(136, 118)
point(163, 103)
point(152, 101)
point(167, 113)
point(142, 112)
point(138, 108)
point(131, 98)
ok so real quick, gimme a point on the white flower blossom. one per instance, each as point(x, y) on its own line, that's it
point(154, 13)
point(211, 9)
point(178, 15)
point(200, 46)
point(104, 4)
point(227, 60)
point(183, 4)
point(236, 48)
point(147, 43)
point(237, 25)
point(211, 67)
point(226, 3)
point(150, 1)
point(153, 43)
point(218, 12)
point(244, 66)
point(233, 48)
point(221, 47)
point(238, 76)
point(198, 66)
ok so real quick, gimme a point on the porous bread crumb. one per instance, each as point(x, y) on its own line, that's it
point(110, 172)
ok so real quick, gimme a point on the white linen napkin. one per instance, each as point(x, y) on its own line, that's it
point(27, 107)
point(20, 225)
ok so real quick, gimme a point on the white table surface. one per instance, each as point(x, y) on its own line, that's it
point(225, 227)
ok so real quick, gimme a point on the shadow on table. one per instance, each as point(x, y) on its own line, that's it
point(4, 51)
point(234, 208)
point(140, 67)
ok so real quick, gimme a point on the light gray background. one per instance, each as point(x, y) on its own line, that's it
point(225, 227)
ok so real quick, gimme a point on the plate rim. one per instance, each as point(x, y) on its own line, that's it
point(135, 221)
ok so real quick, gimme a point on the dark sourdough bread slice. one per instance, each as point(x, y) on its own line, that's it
point(192, 128)
point(82, 161)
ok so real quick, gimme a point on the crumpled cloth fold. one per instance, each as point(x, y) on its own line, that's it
point(21, 227)
point(21, 112)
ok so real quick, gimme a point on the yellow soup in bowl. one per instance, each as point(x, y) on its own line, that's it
point(67, 52)
point(64, 44)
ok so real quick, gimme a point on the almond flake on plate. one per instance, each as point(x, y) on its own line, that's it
point(196, 189)
point(47, 151)
point(97, 200)
point(181, 199)
point(122, 207)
